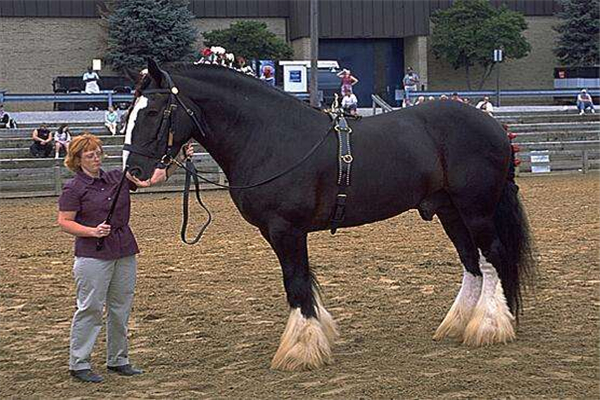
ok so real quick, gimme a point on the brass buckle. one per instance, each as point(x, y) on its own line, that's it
point(339, 129)
point(347, 158)
point(166, 160)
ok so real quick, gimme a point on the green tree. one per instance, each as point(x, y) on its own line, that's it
point(466, 34)
point(138, 29)
point(577, 45)
point(251, 40)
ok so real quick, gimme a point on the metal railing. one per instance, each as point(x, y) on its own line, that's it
point(506, 93)
point(105, 96)
point(110, 97)
point(379, 102)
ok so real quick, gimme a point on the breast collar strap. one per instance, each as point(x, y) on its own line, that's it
point(166, 131)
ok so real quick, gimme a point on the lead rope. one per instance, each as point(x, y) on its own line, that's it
point(100, 241)
point(190, 173)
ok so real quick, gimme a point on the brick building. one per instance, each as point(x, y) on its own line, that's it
point(377, 39)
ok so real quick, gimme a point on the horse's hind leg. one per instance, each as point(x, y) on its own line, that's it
point(310, 332)
point(460, 313)
point(492, 321)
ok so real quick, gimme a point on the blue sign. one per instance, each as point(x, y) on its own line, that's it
point(296, 76)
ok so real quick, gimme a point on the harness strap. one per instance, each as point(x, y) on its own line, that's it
point(344, 167)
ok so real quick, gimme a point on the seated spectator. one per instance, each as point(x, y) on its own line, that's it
point(584, 101)
point(111, 120)
point(123, 122)
point(349, 103)
point(41, 146)
point(485, 105)
point(243, 67)
point(62, 139)
point(430, 98)
point(443, 97)
point(456, 97)
point(420, 100)
point(5, 120)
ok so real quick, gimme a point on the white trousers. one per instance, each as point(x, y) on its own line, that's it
point(101, 283)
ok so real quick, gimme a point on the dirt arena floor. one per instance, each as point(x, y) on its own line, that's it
point(207, 319)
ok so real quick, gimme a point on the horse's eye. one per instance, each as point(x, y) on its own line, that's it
point(152, 113)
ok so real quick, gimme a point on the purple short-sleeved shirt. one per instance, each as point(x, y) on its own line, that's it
point(91, 199)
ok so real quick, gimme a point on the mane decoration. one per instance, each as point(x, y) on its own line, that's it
point(217, 55)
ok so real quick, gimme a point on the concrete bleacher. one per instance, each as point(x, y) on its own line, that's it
point(572, 142)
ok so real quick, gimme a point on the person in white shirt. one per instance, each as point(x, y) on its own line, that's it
point(349, 103)
point(584, 101)
point(485, 105)
point(62, 139)
point(91, 79)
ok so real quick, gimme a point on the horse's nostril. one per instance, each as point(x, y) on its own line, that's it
point(136, 172)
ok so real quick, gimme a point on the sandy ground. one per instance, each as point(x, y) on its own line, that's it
point(207, 319)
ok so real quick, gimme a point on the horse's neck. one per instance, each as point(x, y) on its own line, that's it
point(249, 130)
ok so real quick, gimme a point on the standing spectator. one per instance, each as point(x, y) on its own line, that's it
point(111, 120)
point(41, 146)
point(349, 102)
point(485, 105)
point(584, 101)
point(62, 139)
point(5, 120)
point(267, 75)
point(104, 278)
point(91, 79)
point(411, 83)
point(348, 80)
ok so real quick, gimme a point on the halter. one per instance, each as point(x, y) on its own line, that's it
point(166, 132)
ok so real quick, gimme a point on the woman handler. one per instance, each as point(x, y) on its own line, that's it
point(105, 277)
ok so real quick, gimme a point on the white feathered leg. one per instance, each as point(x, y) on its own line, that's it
point(460, 313)
point(306, 343)
point(491, 321)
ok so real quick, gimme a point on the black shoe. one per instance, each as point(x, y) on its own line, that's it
point(86, 375)
point(125, 370)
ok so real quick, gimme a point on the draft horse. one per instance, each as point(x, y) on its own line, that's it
point(442, 158)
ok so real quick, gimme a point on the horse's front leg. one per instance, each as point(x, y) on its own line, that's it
point(310, 332)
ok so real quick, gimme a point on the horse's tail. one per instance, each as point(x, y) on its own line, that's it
point(518, 268)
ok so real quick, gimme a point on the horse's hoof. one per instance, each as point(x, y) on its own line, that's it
point(490, 324)
point(305, 345)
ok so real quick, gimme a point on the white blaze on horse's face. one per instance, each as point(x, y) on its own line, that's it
point(140, 104)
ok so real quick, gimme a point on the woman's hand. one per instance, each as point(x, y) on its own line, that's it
point(188, 150)
point(101, 230)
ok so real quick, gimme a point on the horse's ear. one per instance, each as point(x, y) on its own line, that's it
point(154, 71)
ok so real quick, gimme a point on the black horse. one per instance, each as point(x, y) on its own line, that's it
point(443, 158)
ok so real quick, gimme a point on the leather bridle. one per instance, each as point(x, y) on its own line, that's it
point(166, 132)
